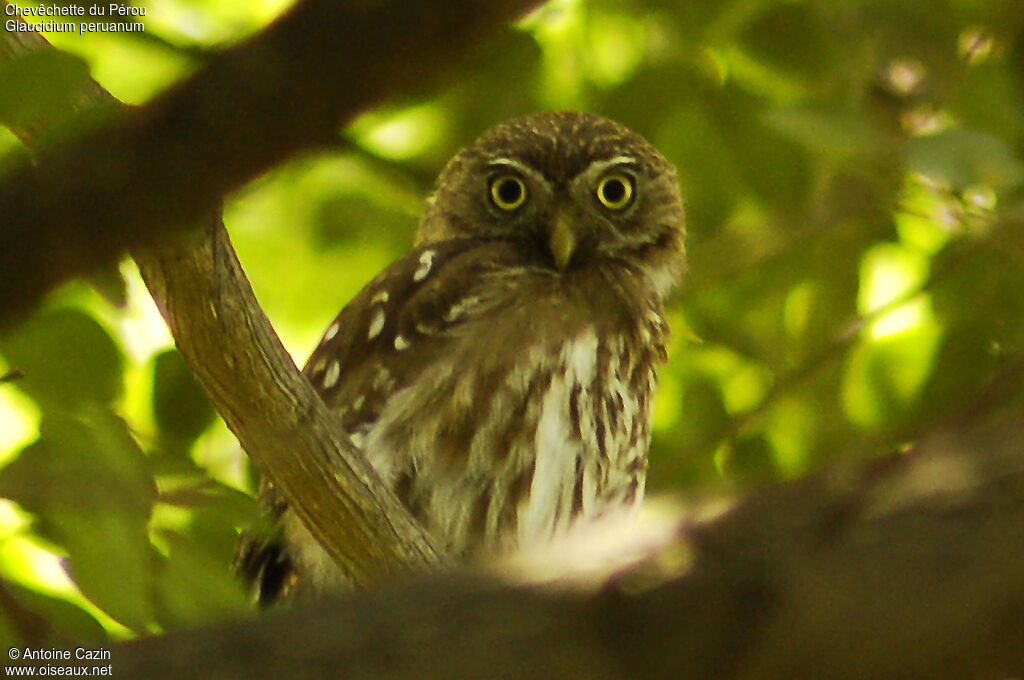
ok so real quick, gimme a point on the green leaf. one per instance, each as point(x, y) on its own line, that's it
point(64, 620)
point(788, 37)
point(830, 131)
point(194, 585)
point(962, 158)
point(67, 359)
point(180, 406)
point(750, 460)
point(87, 483)
point(885, 378)
point(108, 281)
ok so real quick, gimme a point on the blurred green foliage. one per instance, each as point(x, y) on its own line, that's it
point(853, 176)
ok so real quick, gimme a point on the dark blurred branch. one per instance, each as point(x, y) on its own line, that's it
point(168, 164)
point(911, 568)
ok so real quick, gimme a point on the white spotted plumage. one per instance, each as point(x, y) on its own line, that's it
point(376, 325)
point(331, 375)
point(426, 261)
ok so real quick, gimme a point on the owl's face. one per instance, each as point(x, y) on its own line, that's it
point(570, 191)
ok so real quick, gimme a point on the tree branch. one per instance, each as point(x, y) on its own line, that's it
point(912, 567)
point(274, 412)
point(169, 163)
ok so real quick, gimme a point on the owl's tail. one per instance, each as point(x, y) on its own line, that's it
point(262, 560)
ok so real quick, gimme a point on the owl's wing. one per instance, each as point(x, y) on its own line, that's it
point(396, 326)
point(382, 340)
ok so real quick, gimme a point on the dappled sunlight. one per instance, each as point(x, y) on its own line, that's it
point(790, 427)
point(140, 328)
point(403, 134)
point(615, 46)
point(19, 420)
point(885, 375)
point(799, 307)
point(216, 20)
point(926, 218)
point(976, 44)
point(592, 553)
point(913, 313)
point(29, 562)
point(667, 401)
point(586, 45)
point(905, 76)
point(744, 383)
point(218, 451)
point(558, 29)
point(135, 69)
point(925, 120)
point(887, 370)
point(891, 273)
point(24, 560)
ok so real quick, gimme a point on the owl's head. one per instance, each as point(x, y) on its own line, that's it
point(572, 190)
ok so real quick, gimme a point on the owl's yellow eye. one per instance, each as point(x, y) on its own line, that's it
point(508, 192)
point(615, 191)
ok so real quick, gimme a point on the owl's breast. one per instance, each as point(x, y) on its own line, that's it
point(500, 401)
point(493, 449)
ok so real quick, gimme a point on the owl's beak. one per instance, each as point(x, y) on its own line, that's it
point(562, 238)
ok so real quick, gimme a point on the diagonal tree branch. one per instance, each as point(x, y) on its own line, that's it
point(278, 418)
point(169, 163)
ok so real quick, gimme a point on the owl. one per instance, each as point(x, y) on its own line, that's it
point(499, 377)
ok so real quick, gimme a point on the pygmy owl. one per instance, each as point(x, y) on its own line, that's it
point(499, 377)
